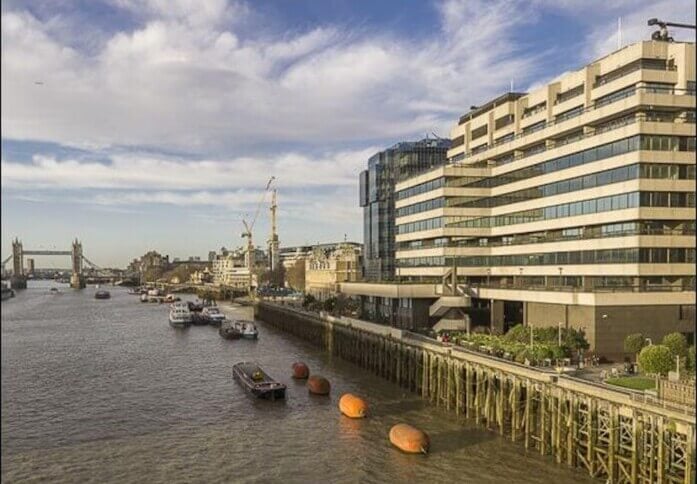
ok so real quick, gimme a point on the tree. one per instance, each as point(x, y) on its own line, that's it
point(329, 304)
point(296, 276)
point(656, 359)
point(275, 278)
point(677, 344)
point(309, 300)
point(633, 343)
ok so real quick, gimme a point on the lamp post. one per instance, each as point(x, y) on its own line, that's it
point(561, 281)
point(560, 326)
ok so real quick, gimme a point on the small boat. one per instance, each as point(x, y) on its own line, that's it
point(179, 315)
point(212, 316)
point(171, 298)
point(102, 294)
point(195, 307)
point(7, 293)
point(54, 291)
point(229, 331)
point(144, 298)
point(257, 382)
point(247, 328)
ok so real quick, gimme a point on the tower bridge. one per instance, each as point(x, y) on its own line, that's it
point(19, 278)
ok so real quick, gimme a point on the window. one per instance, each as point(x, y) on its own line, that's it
point(534, 127)
point(571, 113)
point(479, 132)
point(569, 94)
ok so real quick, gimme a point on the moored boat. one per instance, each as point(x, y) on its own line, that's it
point(102, 294)
point(257, 382)
point(228, 330)
point(247, 329)
point(179, 315)
point(54, 291)
point(7, 293)
point(212, 316)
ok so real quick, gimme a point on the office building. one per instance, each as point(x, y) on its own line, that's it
point(377, 183)
point(571, 205)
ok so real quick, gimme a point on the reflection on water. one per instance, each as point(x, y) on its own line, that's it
point(106, 391)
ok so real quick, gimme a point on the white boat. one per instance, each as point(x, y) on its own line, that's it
point(143, 298)
point(179, 316)
point(247, 328)
point(213, 315)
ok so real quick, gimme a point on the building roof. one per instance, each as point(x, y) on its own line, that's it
point(505, 98)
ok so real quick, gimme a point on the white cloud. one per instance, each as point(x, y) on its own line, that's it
point(185, 79)
point(135, 171)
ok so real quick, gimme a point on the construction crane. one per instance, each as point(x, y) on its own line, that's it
point(248, 227)
point(662, 33)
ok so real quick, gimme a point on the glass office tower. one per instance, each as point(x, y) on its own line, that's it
point(385, 169)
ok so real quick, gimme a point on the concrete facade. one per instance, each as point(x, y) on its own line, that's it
point(567, 203)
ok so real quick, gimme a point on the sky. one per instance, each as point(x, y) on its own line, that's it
point(156, 124)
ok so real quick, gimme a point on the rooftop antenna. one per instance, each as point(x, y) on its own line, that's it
point(662, 32)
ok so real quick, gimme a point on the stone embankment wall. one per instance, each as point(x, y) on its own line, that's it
point(614, 435)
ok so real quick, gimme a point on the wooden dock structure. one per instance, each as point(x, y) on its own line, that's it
point(614, 435)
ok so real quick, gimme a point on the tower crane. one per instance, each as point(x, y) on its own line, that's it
point(662, 33)
point(248, 227)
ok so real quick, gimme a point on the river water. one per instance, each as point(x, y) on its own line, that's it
point(106, 391)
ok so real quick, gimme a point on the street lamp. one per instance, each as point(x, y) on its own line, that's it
point(560, 326)
point(561, 281)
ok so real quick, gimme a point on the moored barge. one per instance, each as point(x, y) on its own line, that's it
point(257, 382)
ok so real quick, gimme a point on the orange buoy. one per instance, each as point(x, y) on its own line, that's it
point(300, 370)
point(353, 406)
point(318, 385)
point(409, 439)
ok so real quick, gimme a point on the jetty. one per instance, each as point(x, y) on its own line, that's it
point(616, 435)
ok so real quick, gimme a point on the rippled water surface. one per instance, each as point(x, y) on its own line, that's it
point(106, 391)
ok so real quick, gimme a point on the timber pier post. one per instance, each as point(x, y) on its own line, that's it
point(609, 433)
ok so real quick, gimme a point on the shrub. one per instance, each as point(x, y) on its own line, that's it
point(633, 343)
point(308, 300)
point(677, 343)
point(656, 359)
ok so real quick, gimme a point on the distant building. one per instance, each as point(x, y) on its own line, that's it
point(229, 268)
point(150, 260)
point(201, 277)
point(377, 197)
point(30, 266)
point(325, 268)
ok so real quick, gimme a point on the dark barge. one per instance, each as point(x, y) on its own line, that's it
point(257, 382)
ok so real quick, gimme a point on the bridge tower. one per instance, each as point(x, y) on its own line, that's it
point(77, 281)
point(18, 280)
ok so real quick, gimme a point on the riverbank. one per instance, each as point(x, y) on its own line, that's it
point(577, 422)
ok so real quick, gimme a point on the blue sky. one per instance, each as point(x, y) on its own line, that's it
point(155, 124)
